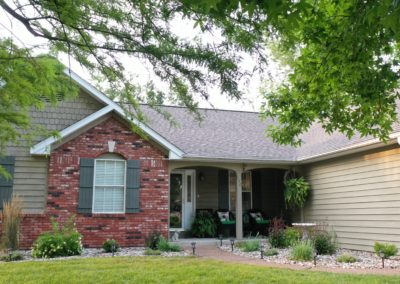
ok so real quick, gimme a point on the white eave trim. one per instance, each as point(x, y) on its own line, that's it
point(362, 146)
point(44, 147)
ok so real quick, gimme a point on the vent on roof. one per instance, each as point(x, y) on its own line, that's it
point(59, 97)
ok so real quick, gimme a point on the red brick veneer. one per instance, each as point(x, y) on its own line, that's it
point(129, 229)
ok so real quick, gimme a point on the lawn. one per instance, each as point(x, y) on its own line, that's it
point(166, 270)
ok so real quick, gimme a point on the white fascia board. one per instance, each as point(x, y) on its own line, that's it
point(44, 147)
point(90, 89)
point(366, 145)
point(173, 150)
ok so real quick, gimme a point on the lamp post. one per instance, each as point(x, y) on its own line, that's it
point(382, 255)
point(113, 248)
point(220, 239)
point(10, 253)
point(194, 248)
point(315, 258)
point(232, 243)
point(261, 250)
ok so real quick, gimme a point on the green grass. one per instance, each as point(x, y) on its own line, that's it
point(166, 270)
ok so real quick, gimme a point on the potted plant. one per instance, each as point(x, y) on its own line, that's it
point(296, 192)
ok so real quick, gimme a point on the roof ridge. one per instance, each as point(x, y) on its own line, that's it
point(204, 108)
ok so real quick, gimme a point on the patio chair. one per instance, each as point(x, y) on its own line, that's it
point(226, 223)
point(258, 223)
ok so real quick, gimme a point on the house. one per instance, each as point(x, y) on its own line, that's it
point(123, 186)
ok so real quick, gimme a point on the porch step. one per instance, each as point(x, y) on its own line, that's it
point(199, 242)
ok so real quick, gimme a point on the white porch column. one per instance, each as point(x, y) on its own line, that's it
point(239, 205)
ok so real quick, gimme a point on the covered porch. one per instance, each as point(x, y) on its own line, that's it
point(237, 188)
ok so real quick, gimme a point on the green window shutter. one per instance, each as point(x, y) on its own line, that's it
point(223, 189)
point(132, 186)
point(6, 185)
point(86, 185)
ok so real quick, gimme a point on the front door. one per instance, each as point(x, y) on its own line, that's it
point(182, 199)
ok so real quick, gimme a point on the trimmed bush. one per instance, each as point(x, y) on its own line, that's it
point(58, 242)
point(303, 251)
point(152, 252)
point(108, 245)
point(15, 256)
point(346, 258)
point(249, 245)
point(291, 237)
point(387, 249)
point(271, 252)
point(324, 243)
point(153, 239)
point(12, 216)
point(164, 245)
point(204, 225)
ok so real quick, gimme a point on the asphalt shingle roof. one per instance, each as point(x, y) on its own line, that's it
point(238, 135)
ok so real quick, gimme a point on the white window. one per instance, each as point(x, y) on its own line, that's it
point(109, 186)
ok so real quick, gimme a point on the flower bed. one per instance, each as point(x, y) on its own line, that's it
point(365, 260)
point(92, 252)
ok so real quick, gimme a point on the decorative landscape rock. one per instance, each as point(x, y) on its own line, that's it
point(94, 252)
point(365, 260)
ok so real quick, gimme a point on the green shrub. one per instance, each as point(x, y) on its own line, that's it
point(303, 251)
point(271, 252)
point(291, 237)
point(108, 245)
point(249, 245)
point(12, 216)
point(152, 252)
point(153, 239)
point(387, 249)
point(346, 258)
point(276, 233)
point(204, 225)
point(58, 242)
point(164, 245)
point(277, 239)
point(324, 243)
point(15, 256)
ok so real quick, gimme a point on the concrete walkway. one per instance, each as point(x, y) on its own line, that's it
point(212, 251)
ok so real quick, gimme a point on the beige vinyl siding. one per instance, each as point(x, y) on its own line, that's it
point(30, 177)
point(359, 196)
point(30, 182)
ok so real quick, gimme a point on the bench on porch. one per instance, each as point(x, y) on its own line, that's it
point(226, 223)
point(258, 224)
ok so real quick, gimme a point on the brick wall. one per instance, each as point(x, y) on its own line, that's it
point(63, 189)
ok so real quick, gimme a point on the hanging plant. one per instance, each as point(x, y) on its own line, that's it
point(296, 192)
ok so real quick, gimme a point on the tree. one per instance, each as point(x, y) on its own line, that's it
point(100, 34)
point(343, 54)
point(26, 82)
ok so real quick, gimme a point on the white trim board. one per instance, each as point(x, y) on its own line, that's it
point(44, 147)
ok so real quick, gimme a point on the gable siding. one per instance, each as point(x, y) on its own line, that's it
point(30, 179)
point(359, 196)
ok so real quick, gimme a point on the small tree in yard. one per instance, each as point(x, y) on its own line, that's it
point(12, 217)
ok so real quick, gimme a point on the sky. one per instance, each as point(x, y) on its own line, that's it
point(251, 100)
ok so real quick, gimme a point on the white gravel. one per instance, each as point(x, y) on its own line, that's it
point(93, 252)
point(365, 260)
